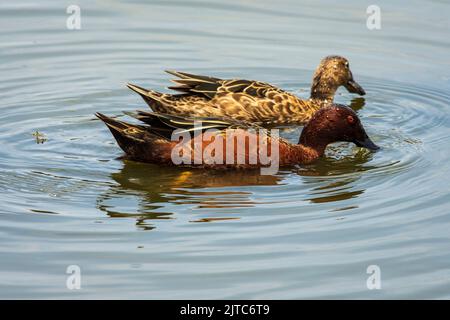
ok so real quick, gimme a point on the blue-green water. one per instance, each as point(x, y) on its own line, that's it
point(140, 231)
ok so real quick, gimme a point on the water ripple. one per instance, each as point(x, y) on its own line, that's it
point(308, 231)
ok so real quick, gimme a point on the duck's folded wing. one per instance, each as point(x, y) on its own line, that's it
point(211, 87)
point(165, 124)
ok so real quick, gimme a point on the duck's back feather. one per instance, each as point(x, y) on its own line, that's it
point(245, 100)
point(210, 87)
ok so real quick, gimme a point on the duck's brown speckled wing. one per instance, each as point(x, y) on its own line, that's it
point(245, 100)
point(210, 87)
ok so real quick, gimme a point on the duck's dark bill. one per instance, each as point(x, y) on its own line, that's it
point(353, 87)
point(367, 143)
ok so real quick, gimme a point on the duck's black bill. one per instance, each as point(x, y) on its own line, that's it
point(353, 87)
point(367, 143)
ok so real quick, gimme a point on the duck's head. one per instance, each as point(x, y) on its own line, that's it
point(333, 72)
point(333, 124)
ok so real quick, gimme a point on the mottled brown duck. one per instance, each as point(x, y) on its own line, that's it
point(251, 101)
point(152, 141)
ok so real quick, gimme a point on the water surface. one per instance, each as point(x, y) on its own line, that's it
point(142, 231)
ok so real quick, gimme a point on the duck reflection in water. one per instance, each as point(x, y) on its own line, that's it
point(146, 189)
point(148, 192)
point(334, 178)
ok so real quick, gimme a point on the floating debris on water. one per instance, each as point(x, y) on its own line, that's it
point(40, 137)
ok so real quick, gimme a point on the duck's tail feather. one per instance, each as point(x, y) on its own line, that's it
point(165, 124)
point(156, 122)
point(192, 77)
point(155, 100)
point(142, 91)
point(196, 84)
point(116, 125)
point(126, 134)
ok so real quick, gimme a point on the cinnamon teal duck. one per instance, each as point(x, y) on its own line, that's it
point(152, 141)
point(251, 101)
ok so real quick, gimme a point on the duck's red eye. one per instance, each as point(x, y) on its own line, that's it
point(350, 119)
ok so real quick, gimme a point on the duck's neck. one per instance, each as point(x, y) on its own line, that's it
point(324, 84)
point(322, 91)
point(303, 154)
point(312, 143)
